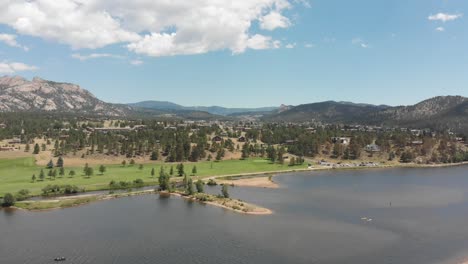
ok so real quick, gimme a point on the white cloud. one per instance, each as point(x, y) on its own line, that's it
point(136, 62)
point(12, 67)
point(95, 56)
point(10, 40)
point(309, 45)
point(440, 29)
point(151, 27)
point(273, 21)
point(290, 45)
point(360, 42)
point(444, 17)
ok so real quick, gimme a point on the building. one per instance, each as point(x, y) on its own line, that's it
point(217, 139)
point(341, 140)
point(241, 139)
point(372, 148)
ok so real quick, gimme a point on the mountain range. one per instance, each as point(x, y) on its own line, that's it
point(442, 112)
point(20, 94)
point(215, 110)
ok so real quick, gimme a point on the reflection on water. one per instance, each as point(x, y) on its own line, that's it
point(418, 216)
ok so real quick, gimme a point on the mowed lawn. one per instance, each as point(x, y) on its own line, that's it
point(15, 174)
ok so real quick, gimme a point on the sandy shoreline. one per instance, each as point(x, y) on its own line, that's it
point(259, 182)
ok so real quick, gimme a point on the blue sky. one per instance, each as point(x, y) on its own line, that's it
point(369, 51)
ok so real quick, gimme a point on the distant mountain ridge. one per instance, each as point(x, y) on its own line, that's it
point(20, 94)
point(439, 112)
point(215, 110)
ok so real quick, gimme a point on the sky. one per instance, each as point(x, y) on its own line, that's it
point(243, 53)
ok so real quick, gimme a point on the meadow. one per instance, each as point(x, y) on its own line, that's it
point(16, 174)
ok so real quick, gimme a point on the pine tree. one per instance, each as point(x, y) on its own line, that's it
point(152, 172)
point(180, 169)
point(41, 175)
point(61, 171)
point(154, 155)
point(33, 178)
point(194, 170)
point(199, 184)
point(224, 191)
point(171, 171)
point(190, 187)
point(36, 149)
point(71, 173)
point(140, 167)
point(50, 164)
point(102, 169)
point(60, 162)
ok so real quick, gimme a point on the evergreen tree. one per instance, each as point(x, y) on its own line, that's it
point(41, 175)
point(180, 169)
point(224, 191)
point(8, 200)
point(199, 184)
point(27, 148)
point(33, 178)
point(171, 171)
point(89, 172)
point(194, 170)
point(61, 171)
point(50, 164)
point(36, 149)
point(60, 162)
point(102, 169)
point(71, 173)
point(190, 187)
point(152, 172)
point(124, 162)
point(140, 167)
point(154, 155)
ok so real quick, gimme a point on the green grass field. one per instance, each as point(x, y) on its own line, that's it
point(15, 174)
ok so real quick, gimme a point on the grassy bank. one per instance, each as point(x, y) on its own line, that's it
point(65, 202)
point(15, 174)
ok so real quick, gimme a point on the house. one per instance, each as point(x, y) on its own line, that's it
point(341, 140)
point(14, 141)
point(372, 148)
point(217, 139)
point(417, 142)
point(241, 139)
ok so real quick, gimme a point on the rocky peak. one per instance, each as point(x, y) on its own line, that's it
point(19, 94)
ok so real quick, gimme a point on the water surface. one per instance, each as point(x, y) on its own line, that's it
point(418, 216)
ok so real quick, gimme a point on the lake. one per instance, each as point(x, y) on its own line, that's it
point(418, 216)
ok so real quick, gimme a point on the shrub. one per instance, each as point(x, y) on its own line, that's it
point(8, 200)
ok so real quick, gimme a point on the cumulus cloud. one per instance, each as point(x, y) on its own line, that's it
point(151, 27)
point(444, 17)
point(13, 67)
point(440, 29)
point(309, 45)
point(95, 56)
point(10, 40)
point(273, 21)
point(290, 45)
point(360, 42)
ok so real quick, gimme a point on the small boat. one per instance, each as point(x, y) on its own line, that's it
point(363, 218)
point(60, 259)
point(369, 220)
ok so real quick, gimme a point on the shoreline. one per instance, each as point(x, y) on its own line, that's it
point(69, 202)
point(256, 179)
